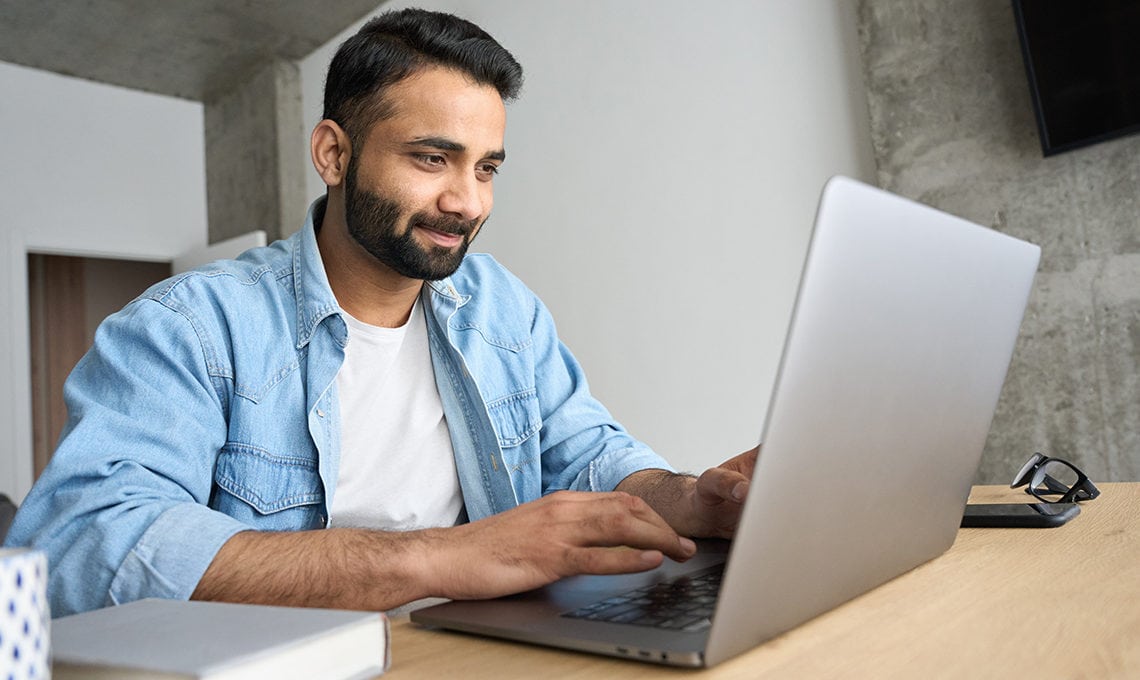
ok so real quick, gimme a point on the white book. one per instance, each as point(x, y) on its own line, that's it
point(218, 641)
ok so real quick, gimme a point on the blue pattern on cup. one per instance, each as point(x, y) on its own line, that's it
point(25, 622)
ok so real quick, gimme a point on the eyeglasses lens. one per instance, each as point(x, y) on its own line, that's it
point(1054, 478)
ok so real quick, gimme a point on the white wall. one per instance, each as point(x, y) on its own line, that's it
point(664, 162)
point(88, 169)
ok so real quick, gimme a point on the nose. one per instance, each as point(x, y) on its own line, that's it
point(464, 197)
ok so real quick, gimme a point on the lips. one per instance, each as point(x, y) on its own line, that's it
point(441, 238)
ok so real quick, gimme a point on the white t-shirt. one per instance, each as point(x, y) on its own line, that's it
point(397, 468)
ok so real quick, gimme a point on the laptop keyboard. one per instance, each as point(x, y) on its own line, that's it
point(685, 603)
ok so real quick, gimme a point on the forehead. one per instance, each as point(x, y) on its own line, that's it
point(443, 102)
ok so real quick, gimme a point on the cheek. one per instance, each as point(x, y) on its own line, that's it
point(488, 199)
point(412, 199)
point(407, 193)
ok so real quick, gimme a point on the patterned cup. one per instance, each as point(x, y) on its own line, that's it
point(25, 621)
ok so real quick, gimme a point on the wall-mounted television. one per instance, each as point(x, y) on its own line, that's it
point(1083, 62)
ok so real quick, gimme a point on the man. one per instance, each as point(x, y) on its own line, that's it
point(359, 416)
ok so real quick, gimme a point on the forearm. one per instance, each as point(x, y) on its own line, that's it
point(668, 493)
point(334, 568)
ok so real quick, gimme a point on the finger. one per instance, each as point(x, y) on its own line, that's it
point(615, 560)
point(620, 503)
point(748, 460)
point(640, 509)
point(623, 520)
point(718, 485)
point(743, 463)
point(631, 503)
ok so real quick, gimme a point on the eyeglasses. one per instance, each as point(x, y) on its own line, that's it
point(1054, 480)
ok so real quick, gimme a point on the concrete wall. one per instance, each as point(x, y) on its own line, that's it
point(664, 163)
point(953, 126)
point(89, 170)
point(255, 171)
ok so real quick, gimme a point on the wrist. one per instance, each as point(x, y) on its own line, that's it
point(671, 495)
point(416, 559)
point(388, 569)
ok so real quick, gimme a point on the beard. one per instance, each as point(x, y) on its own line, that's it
point(374, 221)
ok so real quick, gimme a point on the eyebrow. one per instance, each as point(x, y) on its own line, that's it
point(444, 144)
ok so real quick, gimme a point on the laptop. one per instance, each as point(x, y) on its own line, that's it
point(902, 332)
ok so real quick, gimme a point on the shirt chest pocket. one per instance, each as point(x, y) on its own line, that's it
point(266, 491)
point(517, 420)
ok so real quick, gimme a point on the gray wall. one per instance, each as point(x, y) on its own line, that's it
point(953, 126)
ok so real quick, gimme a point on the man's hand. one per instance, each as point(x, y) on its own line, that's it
point(708, 506)
point(720, 495)
point(563, 534)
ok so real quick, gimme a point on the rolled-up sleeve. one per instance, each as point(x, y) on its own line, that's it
point(172, 554)
point(121, 510)
point(583, 446)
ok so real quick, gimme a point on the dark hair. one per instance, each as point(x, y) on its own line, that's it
point(397, 44)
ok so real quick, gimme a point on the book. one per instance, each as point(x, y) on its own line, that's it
point(176, 639)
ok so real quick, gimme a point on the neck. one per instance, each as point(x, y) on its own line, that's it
point(364, 287)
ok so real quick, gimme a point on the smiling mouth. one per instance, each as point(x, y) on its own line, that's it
point(441, 238)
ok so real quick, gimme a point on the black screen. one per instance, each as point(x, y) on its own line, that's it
point(1083, 60)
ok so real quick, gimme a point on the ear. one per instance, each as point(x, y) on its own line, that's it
point(331, 152)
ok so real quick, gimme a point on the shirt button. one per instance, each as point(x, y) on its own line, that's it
point(320, 413)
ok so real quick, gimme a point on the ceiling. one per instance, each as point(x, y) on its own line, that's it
point(193, 49)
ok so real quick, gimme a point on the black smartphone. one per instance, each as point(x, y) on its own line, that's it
point(1031, 515)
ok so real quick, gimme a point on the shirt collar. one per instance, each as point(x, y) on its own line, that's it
point(315, 298)
point(446, 288)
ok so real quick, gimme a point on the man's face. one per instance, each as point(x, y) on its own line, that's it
point(419, 187)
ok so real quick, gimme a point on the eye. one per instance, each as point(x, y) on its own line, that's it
point(432, 159)
point(487, 170)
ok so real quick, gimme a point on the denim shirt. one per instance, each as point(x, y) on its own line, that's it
point(208, 406)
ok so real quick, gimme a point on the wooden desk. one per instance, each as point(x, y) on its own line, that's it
point(1001, 603)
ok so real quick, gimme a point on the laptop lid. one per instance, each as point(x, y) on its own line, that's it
point(902, 332)
point(901, 336)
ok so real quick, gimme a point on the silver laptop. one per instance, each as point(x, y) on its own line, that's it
point(902, 332)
